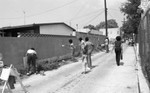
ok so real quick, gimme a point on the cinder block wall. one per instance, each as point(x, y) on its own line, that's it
point(14, 49)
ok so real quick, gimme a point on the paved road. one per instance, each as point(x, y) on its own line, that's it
point(105, 77)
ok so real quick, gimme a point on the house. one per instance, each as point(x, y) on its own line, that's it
point(112, 32)
point(94, 32)
point(43, 28)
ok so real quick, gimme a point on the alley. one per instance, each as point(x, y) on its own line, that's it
point(105, 77)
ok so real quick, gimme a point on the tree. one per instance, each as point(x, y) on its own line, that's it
point(133, 17)
point(110, 24)
point(91, 27)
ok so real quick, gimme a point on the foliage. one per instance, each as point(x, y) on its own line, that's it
point(91, 27)
point(133, 17)
point(110, 24)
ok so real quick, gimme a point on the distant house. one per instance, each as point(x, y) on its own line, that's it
point(95, 32)
point(43, 28)
point(112, 32)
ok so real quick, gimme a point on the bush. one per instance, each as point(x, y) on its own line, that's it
point(51, 63)
point(47, 64)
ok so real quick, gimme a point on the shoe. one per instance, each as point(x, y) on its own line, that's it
point(91, 67)
point(88, 69)
point(12, 87)
point(27, 74)
point(83, 73)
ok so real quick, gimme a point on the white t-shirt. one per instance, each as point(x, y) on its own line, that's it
point(30, 51)
point(106, 41)
point(82, 44)
point(72, 46)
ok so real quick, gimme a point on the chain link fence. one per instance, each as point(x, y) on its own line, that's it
point(144, 43)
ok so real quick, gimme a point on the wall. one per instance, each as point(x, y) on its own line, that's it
point(14, 49)
point(96, 39)
point(56, 29)
point(144, 44)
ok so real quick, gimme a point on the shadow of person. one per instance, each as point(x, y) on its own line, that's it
point(94, 66)
point(87, 72)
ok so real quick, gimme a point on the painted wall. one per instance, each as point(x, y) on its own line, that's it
point(56, 29)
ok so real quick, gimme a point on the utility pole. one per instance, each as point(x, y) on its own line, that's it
point(121, 33)
point(107, 40)
point(24, 17)
point(77, 26)
point(106, 17)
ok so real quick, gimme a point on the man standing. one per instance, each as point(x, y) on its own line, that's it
point(72, 47)
point(89, 47)
point(31, 61)
point(118, 49)
point(83, 55)
point(82, 45)
point(107, 45)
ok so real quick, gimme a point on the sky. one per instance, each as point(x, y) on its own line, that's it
point(76, 13)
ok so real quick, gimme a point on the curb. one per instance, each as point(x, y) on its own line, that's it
point(142, 81)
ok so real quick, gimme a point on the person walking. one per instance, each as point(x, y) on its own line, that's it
point(107, 45)
point(83, 55)
point(72, 47)
point(118, 49)
point(31, 61)
point(82, 45)
point(89, 47)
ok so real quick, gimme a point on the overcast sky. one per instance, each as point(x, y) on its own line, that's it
point(72, 12)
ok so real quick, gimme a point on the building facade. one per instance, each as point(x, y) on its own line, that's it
point(112, 32)
point(44, 28)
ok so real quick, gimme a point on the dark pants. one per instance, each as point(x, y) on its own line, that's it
point(31, 63)
point(11, 81)
point(107, 48)
point(118, 55)
point(89, 61)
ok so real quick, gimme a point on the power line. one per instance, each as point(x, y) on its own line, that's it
point(79, 11)
point(89, 17)
point(50, 10)
point(110, 15)
point(116, 10)
point(88, 14)
point(95, 17)
point(42, 12)
point(84, 16)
